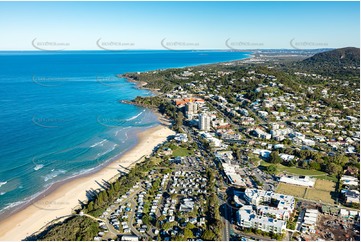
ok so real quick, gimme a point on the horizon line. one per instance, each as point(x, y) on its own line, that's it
point(227, 49)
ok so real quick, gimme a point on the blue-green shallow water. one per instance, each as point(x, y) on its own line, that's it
point(60, 116)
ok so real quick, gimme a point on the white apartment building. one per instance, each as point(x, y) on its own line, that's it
point(191, 109)
point(247, 218)
point(255, 197)
point(204, 122)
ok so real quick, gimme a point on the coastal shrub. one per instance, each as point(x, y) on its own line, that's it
point(73, 229)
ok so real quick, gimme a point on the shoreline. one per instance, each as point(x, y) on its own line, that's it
point(61, 199)
point(143, 84)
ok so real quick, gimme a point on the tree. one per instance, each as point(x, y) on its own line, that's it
point(178, 238)
point(334, 169)
point(91, 206)
point(167, 226)
point(208, 235)
point(315, 165)
point(190, 226)
point(146, 219)
point(188, 233)
point(275, 158)
point(179, 120)
point(271, 169)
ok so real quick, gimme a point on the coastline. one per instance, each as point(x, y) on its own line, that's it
point(143, 84)
point(61, 200)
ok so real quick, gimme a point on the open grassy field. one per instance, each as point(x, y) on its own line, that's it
point(319, 195)
point(321, 192)
point(182, 152)
point(299, 171)
point(327, 177)
point(325, 185)
point(293, 190)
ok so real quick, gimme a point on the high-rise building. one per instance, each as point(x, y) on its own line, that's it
point(204, 122)
point(191, 109)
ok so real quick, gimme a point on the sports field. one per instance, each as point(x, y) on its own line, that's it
point(320, 192)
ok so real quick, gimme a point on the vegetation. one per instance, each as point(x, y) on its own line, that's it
point(72, 229)
point(180, 151)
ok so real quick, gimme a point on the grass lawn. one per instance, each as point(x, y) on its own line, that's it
point(327, 177)
point(317, 195)
point(179, 151)
point(325, 185)
point(299, 171)
point(289, 189)
point(322, 191)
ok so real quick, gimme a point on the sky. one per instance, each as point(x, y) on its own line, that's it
point(178, 25)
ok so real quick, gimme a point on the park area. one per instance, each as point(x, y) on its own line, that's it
point(321, 192)
point(180, 151)
point(298, 171)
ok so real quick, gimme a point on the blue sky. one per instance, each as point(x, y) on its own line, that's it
point(196, 25)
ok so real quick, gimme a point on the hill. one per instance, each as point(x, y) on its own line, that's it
point(345, 57)
point(344, 62)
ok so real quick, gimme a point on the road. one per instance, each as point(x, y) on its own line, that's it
point(226, 228)
point(225, 219)
point(131, 214)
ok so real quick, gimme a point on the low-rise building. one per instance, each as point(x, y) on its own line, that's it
point(298, 180)
point(248, 218)
point(255, 197)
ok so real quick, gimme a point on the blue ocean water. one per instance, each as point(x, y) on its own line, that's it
point(60, 114)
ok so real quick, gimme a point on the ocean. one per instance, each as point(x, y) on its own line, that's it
point(61, 116)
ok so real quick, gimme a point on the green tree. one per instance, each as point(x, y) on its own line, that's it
point(190, 226)
point(275, 157)
point(179, 121)
point(90, 206)
point(334, 169)
point(188, 233)
point(271, 169)
point(208, 235)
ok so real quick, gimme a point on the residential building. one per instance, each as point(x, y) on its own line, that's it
point(247, 218)
point(256, 197)
point(191, 108)
point(351, 196)
point(204, 122)
point(261, 134)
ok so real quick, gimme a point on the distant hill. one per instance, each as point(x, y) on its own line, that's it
point(344, 57)
point(344, 62)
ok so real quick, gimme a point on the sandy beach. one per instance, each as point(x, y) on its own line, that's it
point(63, 199)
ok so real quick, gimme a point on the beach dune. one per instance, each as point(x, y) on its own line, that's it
point(66, 197)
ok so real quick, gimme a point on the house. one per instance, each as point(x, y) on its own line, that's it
point(129, 238)
point(263, 153)
point(186, 205)
point(309, 221)
point(260, 134)
point(286, 157)
point(351, 196)
point(349, 181)
point(181, 137)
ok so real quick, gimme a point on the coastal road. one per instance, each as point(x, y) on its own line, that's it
point(226, 226)
point(225, 220)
